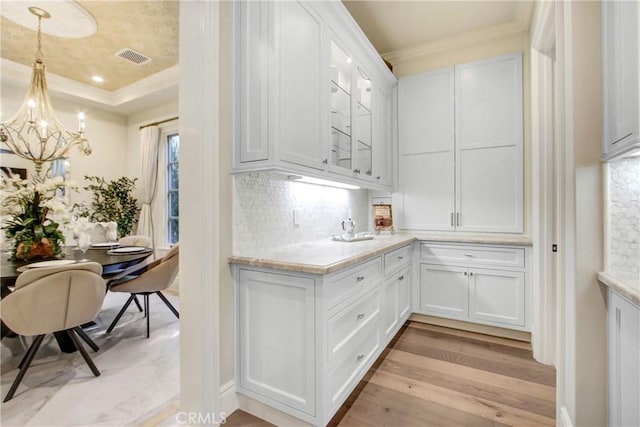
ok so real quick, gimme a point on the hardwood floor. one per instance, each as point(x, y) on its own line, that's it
point(431, 375)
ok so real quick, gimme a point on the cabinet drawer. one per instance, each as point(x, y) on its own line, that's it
point(397, 259)
point(349, 370)
point(351, 281)
point(472, 255)
point(347, 326)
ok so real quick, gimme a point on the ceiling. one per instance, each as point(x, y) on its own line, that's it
point(395, 28)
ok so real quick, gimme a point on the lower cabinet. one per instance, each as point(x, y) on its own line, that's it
point(475, 283)
point(623, 353)
point(304, 341)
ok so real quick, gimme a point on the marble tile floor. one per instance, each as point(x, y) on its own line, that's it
point(139, 376)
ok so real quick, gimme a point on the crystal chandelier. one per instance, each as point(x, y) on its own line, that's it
point(34, 132)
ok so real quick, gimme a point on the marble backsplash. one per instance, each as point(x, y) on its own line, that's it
point(624, 217)
point(264, 204)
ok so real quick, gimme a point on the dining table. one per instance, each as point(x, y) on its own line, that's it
point(112, 262)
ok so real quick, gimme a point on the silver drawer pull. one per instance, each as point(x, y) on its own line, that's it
point(465, 273)
point(359, 358)
point(468, 254)
point(359, 278)
point(471, 273)
point(400, 257)
point(360, 316)
point(401, 277)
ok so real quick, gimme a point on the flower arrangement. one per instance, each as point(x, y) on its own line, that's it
point(32, 214)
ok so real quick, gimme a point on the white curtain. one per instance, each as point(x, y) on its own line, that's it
point(148, 174)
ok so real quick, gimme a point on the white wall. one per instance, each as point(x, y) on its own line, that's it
point(475, 52)
point(106, 132)
point(159, 205)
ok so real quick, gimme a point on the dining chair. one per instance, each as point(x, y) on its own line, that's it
point(54, 299)
point(140, 240)
point(152, 279)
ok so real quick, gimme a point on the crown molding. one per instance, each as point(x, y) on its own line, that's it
point(137, 96)
point(519, 25)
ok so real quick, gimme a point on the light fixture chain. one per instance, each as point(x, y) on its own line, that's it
point(39, 52)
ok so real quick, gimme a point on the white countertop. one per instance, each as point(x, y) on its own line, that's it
point(327, 256)
point(624, 285)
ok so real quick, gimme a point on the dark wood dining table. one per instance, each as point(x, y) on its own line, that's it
point(111, 263)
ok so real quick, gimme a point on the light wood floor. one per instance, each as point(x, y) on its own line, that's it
point(430, 375)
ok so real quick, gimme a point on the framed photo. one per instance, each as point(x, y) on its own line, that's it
point(382, 218)
point(11, 172)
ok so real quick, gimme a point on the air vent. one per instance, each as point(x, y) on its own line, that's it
point(132, 56)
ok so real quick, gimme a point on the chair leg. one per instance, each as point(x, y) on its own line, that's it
point(83, 352)
point(29, 351)
point(166, 301)
point(135, 299)
point(122, 310)
point(146, 310)
point(86, 338)
point(25, 365)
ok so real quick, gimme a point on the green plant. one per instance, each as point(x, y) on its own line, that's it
point(111, 201)
point(32, 215)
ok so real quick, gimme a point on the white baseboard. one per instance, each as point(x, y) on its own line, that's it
point(565, 418)
point(228, 398)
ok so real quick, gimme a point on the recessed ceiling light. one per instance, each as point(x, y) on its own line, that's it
point(97, 79)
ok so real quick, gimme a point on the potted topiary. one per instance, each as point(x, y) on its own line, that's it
point(111, 201)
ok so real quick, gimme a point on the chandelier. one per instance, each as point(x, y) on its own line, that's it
point(34, 132)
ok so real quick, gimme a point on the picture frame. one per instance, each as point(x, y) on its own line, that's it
point(382, 218)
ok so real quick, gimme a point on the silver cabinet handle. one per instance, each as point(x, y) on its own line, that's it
point(400, 257)
point(468, 254)
point(377, 177)
point(471, 273)
point(401, 278)
point(360, 316)
point(359, 278)
point(325, 161)
point(359, 358)
point(457, 218)
point(356, 170)
point(465, 273)
point(452, 224)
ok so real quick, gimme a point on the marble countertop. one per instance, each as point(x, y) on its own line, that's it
point(327, 256)
point(624, 285)
point(322, 256)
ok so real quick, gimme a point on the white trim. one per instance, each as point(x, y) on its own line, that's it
point(565, 418)
point(543, 39)
point(228, 398)
point(200, 264)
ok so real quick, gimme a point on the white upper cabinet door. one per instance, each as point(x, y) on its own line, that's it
point(252, 25)
point(489, 182)
point(382, 139)
point(620, 77)
point(300, 85)
point(426, 150)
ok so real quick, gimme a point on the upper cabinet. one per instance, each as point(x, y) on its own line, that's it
point(311, 94)
point(620, 78)
point(460, 147)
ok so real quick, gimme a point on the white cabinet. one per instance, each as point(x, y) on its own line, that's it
point(269, 302)
point(298, 85)
point(623, 336)
point(620, 77)
point(305, 93)
point(475, 283)
point(382, 137)
point(305, 341)
point(461, 138)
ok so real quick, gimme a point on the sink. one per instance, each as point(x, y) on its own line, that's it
point(366, 235)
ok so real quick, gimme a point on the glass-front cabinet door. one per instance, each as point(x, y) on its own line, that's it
point(341, 159)
point(363, 129)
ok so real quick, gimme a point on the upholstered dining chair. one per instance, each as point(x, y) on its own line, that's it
point(152, 279)
point(143, 241)
point(53, 299)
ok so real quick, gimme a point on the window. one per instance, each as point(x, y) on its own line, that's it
point(173, 148)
